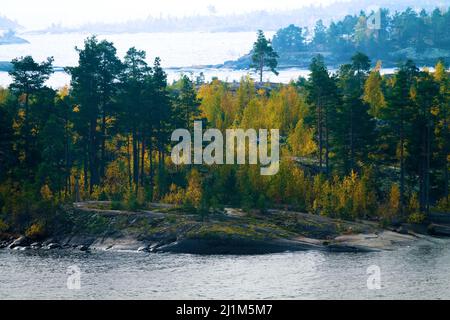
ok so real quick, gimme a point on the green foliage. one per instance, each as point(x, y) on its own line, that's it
point(176, 195)
point(289, 39)
point(3, 226)
point(25, 210)
point(353, 128)
point(193, 196)
point(443, 205)
point(347, 198)
point(117, 205)
point(36, 231)
point(263, 55)
point(132, 202)
point(28, 75)
point(415, 216)
point(186, 104)
point(373, 93)
point(399, 36)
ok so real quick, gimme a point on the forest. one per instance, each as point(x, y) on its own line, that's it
point(383, 35)
point(355, 144)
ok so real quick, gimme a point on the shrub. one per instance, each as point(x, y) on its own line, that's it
point(131, 202)
point(46, 193)
point(99, 193)
point(3, 226)
point(391, 208)
point(347, 198)
point(194, 189)
point(175, 196)
point(416, 217)
point(443, 205)
point(116, 183)
point(413, 204)
point(116, 205)
point(261, 204)
point(36, 231)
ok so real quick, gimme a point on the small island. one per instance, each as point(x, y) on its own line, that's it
point(91, 166)
point(9, 37)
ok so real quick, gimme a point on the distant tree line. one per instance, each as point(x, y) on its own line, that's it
point(422, 36)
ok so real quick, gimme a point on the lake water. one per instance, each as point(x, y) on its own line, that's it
point(177, 50)
point(421, 271)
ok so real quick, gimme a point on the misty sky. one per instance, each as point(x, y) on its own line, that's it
point(34, 14)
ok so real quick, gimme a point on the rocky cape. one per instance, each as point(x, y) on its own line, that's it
point(164, 228)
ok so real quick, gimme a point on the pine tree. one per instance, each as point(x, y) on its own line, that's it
point(93, 84)
point(323, 98)
point(263, 56)
point(186, 104)
point(7, 156)
point(28, 77)
point(354, 127)
point(160, 121)
point(443, 129)
point(133, 107)
point(399, 114)
point(422, 141)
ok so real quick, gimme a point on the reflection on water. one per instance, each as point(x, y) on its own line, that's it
point(417, 272)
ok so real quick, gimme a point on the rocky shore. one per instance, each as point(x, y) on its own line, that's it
point(162, 228)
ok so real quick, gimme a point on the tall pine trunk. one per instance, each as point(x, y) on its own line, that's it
point(446, 163)
point(427, 169)
point(261, 70)
point(352, 141)
point(135, 161)
point(103, 146)
point(151, 166)
point(27, 128)
point(320, 133)
point(86, 168)
point(142, 180)
point(402, 165)
point(93, 158)
point(327, 163)
point(130, 179)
